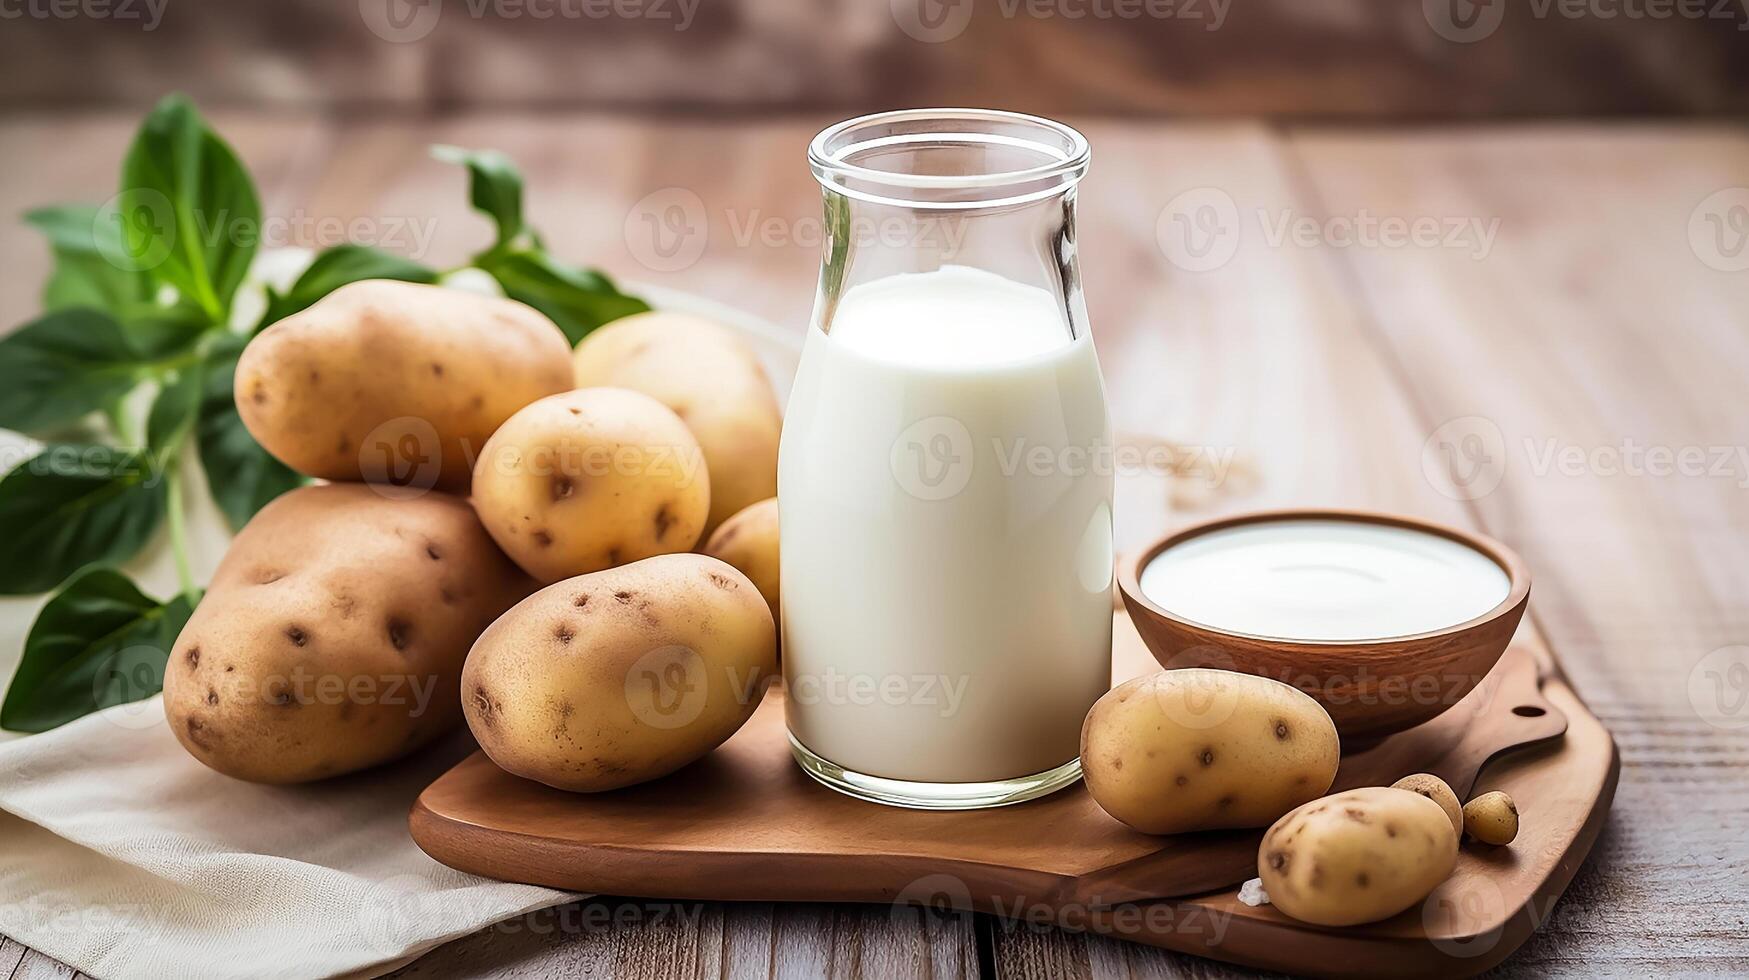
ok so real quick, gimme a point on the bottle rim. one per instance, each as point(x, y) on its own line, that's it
point(1063, 151)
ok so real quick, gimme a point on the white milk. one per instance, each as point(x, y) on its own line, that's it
point(946, 542)
point(1324, 580)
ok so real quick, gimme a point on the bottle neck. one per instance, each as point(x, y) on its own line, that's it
point(1030, 244)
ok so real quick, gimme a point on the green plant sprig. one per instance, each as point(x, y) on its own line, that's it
point(139, 311)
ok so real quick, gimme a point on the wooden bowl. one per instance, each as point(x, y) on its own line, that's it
point(1372, 688)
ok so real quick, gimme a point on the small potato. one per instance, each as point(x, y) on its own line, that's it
point(333, 634)
point(748, 541)
point(394, 382)
point(1358, 856)
point(619, 677)
point(1198, 749)
point(1491, 818)
point(1438, 791)
point(590, 479)
point(711, 379)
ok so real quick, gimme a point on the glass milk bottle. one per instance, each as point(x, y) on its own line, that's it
point(944, 480)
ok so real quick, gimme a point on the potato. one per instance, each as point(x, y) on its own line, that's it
point(748, 541)
point(1197, 749)
point(589, 479)
point(1438, 791)
point(619, 677)
point(1358, 856)
point(333, 634)
point(712, 380)
point(393, 382)
point(1491, 818)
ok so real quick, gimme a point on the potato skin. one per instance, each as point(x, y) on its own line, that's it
point(1491, 818)
point(748, 541)
point(1359, 856)
point(1437, 790)
point(1199, 749)
point(396, 382)
point(333, 634)
point(619, 677)
point(712, 380)
point(588, 479)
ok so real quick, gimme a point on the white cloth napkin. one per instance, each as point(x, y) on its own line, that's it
point(124, 857)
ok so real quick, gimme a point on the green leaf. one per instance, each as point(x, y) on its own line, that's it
point(64, 365)
point(174, 411)
point(98, 643)
point(71, 506)
point(494, 188)
point(336, 267)
point(159, 333)
point(187, 211)
point(578, 300)
point(85, 249)
point(243, 477)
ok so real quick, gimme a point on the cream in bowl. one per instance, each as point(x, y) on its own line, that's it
point(1387, 621)
point(1320, 579)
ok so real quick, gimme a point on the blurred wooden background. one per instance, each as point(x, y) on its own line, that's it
point(1347, 59)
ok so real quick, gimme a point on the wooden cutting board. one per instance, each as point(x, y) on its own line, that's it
point(746, 824)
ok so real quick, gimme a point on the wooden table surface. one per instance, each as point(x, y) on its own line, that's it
point(1570, 339)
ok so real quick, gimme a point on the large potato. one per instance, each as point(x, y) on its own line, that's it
point(589, 479)
point(712, 380)
point(1358, 856)
point(622, 676)
point(394, 382)
point(333, 634)
point(1198, 749)
point(748, 541)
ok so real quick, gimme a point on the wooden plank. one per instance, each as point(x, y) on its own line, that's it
point(1596, 324)
point(1318, 58)
point(28, 964)
point(12, 953)
point(648, 938)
